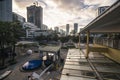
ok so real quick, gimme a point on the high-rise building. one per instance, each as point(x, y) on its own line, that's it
point(6, 10)
point(75, 28)
point(56, 29)
point(35, 15)
point(102, 9)
point(67, 29)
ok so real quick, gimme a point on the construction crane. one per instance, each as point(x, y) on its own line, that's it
point(36, 3)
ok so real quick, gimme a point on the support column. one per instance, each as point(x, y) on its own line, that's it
point(87, 45)
point(79, 40)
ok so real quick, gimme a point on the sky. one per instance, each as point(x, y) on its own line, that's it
point(61, 12)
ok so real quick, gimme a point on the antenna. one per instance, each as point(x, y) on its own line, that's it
point(36, 2)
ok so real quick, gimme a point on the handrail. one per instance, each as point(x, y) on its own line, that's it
point(44, 71)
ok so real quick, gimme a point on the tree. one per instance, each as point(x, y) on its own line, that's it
point(4, 36)
point(10, 33)
point(55, 37)
point(40, 38)
point(16, 33)
point(64, 39)
point(75, 39)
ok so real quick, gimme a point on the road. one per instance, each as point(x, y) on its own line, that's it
point(18, 75)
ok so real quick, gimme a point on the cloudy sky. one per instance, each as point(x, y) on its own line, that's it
point(61, 12)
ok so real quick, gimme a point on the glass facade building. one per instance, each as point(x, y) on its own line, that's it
point(5, 10)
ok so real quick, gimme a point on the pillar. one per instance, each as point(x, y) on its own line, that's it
point(79, 40)
point(87, 45)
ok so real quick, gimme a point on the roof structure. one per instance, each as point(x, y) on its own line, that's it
point(108, 21)
point(53, 49)
point(26, 42)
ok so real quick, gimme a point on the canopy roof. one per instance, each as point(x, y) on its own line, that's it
point(109, 21)
point(53, 49)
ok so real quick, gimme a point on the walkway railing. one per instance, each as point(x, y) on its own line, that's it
point(109, 42)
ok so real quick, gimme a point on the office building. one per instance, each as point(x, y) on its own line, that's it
point(35, 15)
point(56, 29)
point(67, 29)
point(6, 10)
point(75, 28)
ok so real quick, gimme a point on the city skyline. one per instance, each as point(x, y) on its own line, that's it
point(61, 12)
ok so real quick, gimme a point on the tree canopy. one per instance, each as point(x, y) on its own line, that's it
point(10, 33)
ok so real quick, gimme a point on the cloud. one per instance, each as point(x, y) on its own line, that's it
point(82, 11)
point(25, 3)
point(19, 6)
point(70, 5)
point(61, 12)
point(78, 9)
point(99, 2)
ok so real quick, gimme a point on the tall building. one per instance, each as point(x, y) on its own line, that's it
point(6, 10)
point(56, 29)
point(35, 15)
point(102, 9)
point(75, 28)
point(67, 29)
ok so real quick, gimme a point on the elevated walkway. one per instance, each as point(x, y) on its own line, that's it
point(77, 67)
